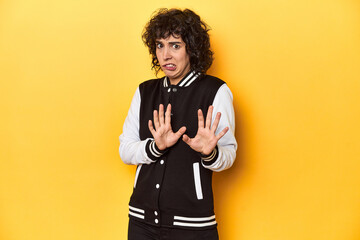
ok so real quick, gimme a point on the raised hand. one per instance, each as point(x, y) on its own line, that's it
point(163, 134)
point(205, 140)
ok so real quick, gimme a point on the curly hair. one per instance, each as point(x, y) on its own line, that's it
point(188, 25)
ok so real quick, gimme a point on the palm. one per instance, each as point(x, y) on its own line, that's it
point(163, 134)
point(165, 137)
point(205, 140)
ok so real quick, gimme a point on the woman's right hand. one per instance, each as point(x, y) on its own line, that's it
point(163, 134)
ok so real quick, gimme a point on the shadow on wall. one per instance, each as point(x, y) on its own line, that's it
point(226, 184)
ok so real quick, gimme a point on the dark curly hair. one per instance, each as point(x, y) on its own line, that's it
point(188, 25)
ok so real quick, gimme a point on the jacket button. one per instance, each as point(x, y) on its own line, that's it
point(169, 89)
point(162, 162)
point(156, 220)
point(157, 185)
point(156, 213)
point(174, 90)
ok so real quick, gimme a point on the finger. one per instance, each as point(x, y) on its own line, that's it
point(186, 139)
point(151, 128)
point(209, 116)
point(200, 119)
point(216, 122)
point(180, 132)
point(156, 119)
point(222, 133)
point(168, 115)
point(161, 114)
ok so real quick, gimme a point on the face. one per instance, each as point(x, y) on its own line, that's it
point(173, 58)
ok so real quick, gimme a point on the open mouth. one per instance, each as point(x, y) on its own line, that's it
point(169, 66)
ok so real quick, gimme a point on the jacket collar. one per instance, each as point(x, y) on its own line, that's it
point(186, 81)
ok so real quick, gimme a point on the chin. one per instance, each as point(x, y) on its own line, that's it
point(170, 75)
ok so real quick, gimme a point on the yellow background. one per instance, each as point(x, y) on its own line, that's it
point(68, 71)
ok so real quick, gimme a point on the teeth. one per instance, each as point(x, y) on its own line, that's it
point(170, 65)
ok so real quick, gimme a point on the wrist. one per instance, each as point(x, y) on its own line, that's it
point(160, 148)
point(152, 151)
point(211, 157)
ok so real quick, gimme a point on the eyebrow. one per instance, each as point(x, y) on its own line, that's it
point(169, 42)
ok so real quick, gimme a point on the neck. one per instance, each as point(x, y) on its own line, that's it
point(174, 81)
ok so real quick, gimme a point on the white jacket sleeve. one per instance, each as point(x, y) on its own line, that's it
point(224, 154)
point(132, 150)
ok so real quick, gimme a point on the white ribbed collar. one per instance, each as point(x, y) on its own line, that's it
point(186, 81)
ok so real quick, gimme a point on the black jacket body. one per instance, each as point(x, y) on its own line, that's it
point(165, 193)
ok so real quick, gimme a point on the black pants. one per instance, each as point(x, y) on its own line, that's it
point(142, 231)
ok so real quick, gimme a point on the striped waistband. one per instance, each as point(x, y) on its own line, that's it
point(194, 221)
point(161, 219)
point(137, 212)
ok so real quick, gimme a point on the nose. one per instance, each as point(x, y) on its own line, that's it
point(166, 53)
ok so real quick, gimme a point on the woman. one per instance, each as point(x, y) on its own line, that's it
point(177, 151)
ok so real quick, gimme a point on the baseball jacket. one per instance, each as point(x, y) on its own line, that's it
point(173, 188)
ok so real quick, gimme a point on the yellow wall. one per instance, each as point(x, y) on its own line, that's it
point(68, 70)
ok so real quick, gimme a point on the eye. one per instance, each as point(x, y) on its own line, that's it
point(176, 46)
point(159, 45)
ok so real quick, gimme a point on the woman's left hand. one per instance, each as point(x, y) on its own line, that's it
point(205, 140)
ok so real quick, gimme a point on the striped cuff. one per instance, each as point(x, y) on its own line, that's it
point(153, 152)
point(211, 158)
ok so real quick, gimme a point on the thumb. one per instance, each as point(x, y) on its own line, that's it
point(186, 139)
point(180, 132)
